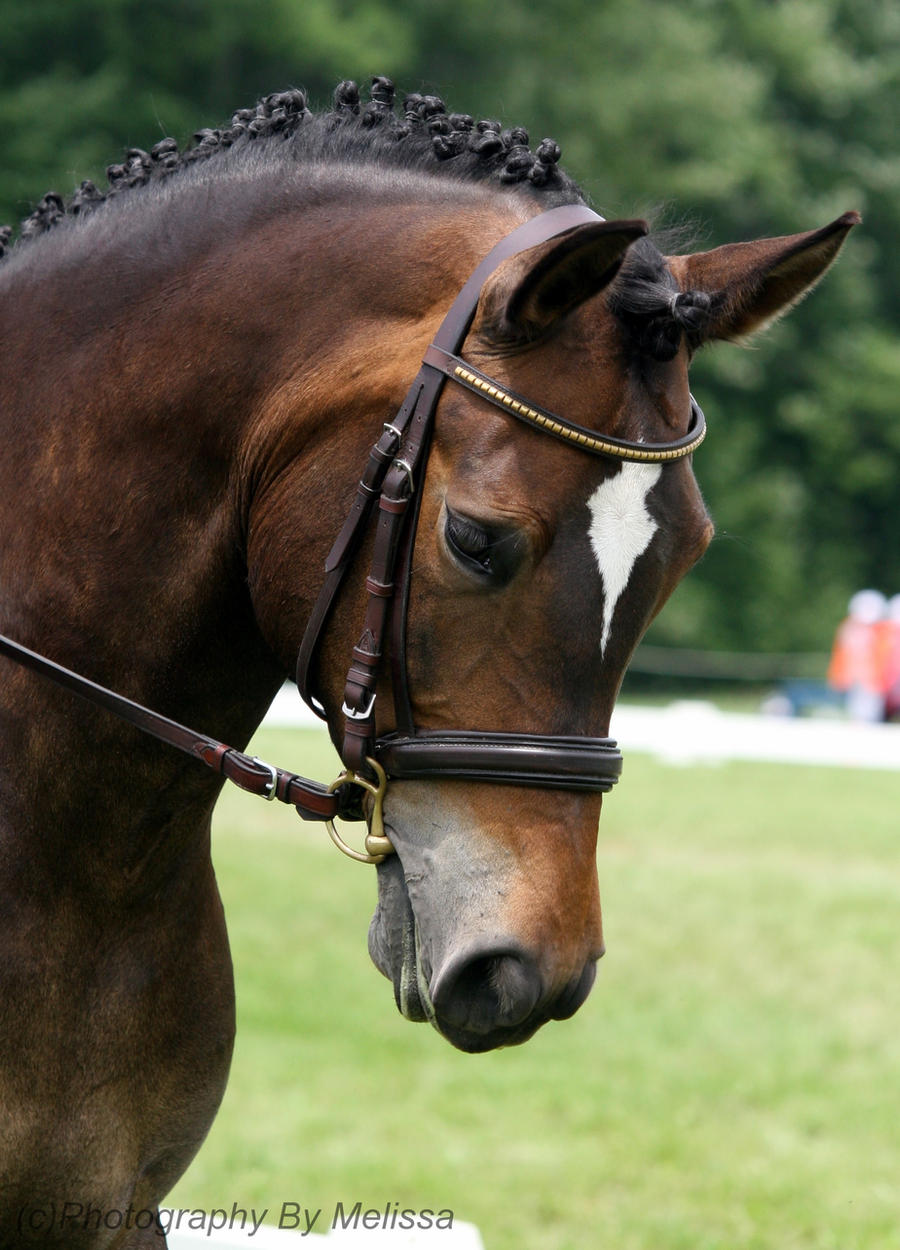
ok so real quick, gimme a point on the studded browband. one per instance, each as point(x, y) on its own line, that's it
point(551, 423)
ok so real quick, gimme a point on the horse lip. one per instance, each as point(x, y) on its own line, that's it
point(411, 989)
point(576, 992)
point(473, 1043)
point(394, 943)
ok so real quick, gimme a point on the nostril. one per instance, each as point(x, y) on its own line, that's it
point(486, 992)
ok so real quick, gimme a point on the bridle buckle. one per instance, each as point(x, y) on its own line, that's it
point(407, 469)
point(353, 714)
point(269, 793)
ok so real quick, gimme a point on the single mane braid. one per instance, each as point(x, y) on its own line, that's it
point(419, 134)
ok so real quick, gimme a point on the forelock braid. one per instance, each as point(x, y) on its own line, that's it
point(546, 160)
point(86, 198)
point(48, 212)
point(346, 100)
point(280, 113)
point(658, 316)
point(519, 157)
point(486, 141)
point(165, 157)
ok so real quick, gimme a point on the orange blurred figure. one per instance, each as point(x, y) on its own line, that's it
point(857, 657)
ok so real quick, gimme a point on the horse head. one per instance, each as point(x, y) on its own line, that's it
point(535, 572)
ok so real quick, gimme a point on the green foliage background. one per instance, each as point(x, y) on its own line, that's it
point(743, 118)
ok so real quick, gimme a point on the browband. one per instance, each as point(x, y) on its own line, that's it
point(467, 375)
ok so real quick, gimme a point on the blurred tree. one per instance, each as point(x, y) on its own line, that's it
point(750, 118)
point(81, 80)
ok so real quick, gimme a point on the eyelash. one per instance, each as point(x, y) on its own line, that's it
point(469, 540)
point(492, 555)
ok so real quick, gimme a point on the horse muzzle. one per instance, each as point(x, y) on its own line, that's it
point(481, 988)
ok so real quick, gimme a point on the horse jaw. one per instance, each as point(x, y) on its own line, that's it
point(465, 928)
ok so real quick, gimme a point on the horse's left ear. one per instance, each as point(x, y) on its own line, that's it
point(751, 284)
point(538, 287)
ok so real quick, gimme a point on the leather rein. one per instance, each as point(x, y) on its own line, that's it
point(391, 486)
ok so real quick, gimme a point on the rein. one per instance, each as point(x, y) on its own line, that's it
point(313, 800)
point(391, 480)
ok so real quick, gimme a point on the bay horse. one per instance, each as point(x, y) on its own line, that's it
point(195, 367)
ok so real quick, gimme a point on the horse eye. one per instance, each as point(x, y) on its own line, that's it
point(467, 538)
point(479, 550)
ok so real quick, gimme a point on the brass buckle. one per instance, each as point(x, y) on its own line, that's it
point(378, 845)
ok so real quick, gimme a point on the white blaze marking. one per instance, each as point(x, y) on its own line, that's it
point(621, 529)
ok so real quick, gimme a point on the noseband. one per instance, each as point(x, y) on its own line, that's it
point(392, 481)
point(391, 487)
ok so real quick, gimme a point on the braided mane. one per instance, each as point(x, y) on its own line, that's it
point(421, 135)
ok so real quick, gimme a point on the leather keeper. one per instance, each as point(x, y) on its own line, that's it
point(383, 590)
point(361, 679)
point(357, 744)
point(395, 506)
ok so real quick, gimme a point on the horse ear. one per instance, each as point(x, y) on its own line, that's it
point(751, 284)
point(545, 283)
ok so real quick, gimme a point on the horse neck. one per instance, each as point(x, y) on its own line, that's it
point(117, 562)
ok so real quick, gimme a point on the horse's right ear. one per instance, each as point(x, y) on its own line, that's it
point(537, 288)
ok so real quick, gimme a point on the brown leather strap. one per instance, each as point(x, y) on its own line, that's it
point(345, 545)
point(416, 412)
point(311, 799)
point(399, 489)
point(561, 763)
point(539, 229)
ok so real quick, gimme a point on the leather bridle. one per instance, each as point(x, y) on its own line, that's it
point(393, 480)
point(390, 489)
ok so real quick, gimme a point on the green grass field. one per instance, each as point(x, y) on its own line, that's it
point(731, 1084)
